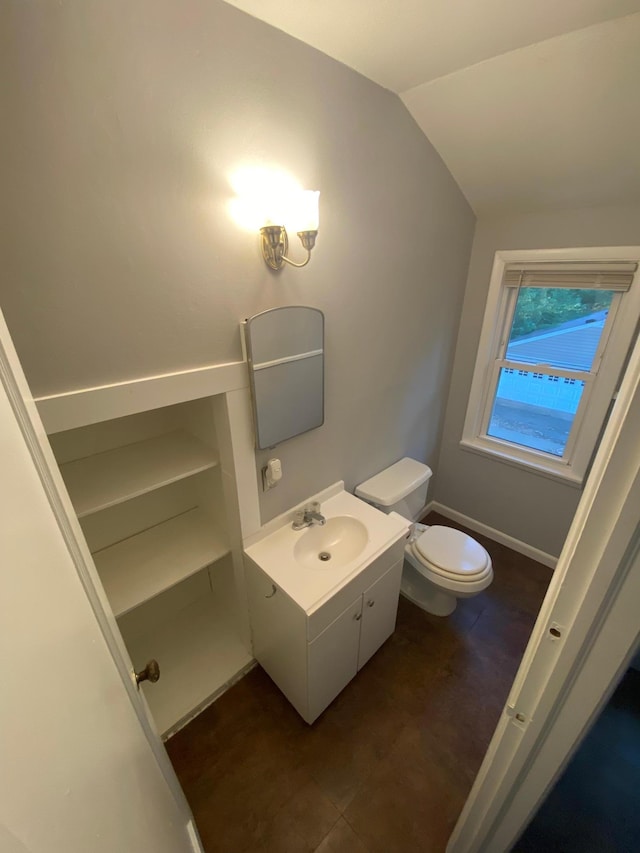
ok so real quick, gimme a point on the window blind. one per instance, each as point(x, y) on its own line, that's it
point(603, 275)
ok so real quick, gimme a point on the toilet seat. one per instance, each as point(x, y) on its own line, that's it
point(452, 554)
point(445, 544)
point(448, 578)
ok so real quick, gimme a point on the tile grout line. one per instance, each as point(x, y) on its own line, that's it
point(357, 834)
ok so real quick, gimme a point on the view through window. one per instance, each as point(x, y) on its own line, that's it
point(559, 328)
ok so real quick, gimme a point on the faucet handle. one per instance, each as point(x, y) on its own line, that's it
point(314, 506)
point(298, 516)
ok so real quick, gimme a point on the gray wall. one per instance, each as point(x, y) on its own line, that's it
point(121, 259)
point(522, 504)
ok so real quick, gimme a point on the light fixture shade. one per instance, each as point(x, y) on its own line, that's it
point(275, 210)
point(305, 216)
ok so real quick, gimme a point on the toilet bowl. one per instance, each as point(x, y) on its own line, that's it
point(441, 564)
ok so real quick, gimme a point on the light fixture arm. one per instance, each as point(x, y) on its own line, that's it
point(275, 245)
point(294, 264)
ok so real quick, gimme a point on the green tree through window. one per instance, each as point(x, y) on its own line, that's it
point(540, 308)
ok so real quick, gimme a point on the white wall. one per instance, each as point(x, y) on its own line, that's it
point(522, 504)
point(121, 259)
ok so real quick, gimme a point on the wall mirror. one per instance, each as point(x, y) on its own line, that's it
point(285, 352)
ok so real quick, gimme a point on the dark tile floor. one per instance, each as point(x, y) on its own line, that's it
point(389, 764)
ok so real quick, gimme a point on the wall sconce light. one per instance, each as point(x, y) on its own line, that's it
point(275, 243)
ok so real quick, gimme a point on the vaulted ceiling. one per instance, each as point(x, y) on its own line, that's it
point(531, 103)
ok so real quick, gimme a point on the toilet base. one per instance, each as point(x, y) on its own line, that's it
point(417, 589)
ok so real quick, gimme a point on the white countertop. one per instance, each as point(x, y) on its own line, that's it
point(272, 548)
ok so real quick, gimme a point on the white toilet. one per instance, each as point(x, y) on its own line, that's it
point(441, 564)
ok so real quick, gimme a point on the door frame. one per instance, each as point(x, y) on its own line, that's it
point(583, 639)
point(25, 410)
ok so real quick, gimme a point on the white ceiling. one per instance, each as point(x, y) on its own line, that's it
point(556, 124)
point(530, 103)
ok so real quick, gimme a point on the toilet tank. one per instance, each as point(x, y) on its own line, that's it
point(401, 488)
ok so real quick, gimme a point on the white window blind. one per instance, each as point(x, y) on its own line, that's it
point(607, 276)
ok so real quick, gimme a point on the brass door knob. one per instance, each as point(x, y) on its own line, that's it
point(151, 672)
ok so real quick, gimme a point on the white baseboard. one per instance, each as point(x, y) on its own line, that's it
point(194, 837)
point(497, 535)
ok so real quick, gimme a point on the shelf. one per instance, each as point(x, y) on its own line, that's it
point(141, 567)
point(199, 652)
point(114, 476)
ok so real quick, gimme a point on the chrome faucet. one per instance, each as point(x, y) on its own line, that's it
point(308, 517)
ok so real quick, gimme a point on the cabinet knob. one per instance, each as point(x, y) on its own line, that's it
point(370, 603)
point(358, 617)
point(151, 673)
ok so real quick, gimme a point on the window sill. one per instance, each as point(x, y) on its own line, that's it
point(502, 453)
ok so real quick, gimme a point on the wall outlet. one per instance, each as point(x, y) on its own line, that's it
point(271, 474)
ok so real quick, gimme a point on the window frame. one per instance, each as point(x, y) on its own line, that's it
point(600, 383)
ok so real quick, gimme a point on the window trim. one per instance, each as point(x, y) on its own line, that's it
point(599, 390)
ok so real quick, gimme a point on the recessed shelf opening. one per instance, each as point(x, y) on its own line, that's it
point(148, 490)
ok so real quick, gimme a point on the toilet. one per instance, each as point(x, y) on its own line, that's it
point(441, 564)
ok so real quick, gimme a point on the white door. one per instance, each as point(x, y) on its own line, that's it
point(379, 612)
point(583, 638)
point(333, 658)
point(79, 771)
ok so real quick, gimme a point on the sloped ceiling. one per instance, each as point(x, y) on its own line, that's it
point(531, 103)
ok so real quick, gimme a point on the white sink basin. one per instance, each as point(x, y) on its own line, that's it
point(310, 564)
point(337, 542)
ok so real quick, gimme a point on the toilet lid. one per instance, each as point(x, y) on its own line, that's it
point(452, 551)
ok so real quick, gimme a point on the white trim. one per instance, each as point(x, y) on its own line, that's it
point(546, 369)
point(492, 448)
point(572, 467)
point(497, 535)
point(194, 837)
point(91, 405)
point(581, 253)
point(589, 602)
point(241, 441)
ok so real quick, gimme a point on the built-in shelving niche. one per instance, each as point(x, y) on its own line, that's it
point(148, 491)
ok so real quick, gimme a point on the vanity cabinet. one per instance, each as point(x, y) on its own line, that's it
point(346, 645)
point(313, 654)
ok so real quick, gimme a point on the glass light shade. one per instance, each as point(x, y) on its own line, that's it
point(304, 214)
point(275, 210)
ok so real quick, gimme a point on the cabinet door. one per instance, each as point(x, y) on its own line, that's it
point(333, 659)
point(379, 610)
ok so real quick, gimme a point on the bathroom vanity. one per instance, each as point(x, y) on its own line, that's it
point(323, 599)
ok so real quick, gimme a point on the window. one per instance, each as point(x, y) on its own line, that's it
point(557, 328)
